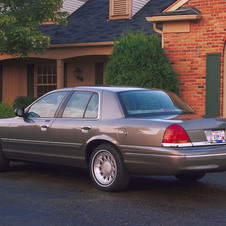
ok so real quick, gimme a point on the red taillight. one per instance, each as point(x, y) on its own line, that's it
point(175, 134)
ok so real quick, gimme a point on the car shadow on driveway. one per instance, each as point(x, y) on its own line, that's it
point(46, 173)
point(212, 188)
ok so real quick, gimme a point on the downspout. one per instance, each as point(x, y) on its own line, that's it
point(159, 31)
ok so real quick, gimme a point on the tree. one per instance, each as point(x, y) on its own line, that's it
point(19, 20)
point(139, 60)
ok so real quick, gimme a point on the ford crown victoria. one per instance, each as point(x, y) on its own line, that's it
point(115, 132)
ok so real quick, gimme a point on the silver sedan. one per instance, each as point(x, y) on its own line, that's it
point(115, 132)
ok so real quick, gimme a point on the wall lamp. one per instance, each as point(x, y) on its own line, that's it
point(78, 74)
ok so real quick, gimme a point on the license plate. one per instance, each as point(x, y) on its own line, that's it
point(216, 136)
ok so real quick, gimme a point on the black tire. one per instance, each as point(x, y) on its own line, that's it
point(4, 163)
point(107, 169)
point(190, 177)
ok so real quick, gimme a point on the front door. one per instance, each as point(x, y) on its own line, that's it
point(29, 136)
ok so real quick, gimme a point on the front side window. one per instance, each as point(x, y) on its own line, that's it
point(82, 105)
point(47, 106)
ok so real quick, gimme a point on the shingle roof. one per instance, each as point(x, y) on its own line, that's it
point(90, 23)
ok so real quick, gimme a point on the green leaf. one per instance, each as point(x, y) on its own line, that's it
point(19, 20)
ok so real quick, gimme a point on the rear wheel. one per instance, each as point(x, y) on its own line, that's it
point(107, 169)
point(4, 163)
point(189, 177)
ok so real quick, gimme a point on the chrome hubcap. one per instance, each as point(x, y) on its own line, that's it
point(104, 168)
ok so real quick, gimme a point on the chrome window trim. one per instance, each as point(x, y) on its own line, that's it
point(205, 143)
point(83, 118)
point(193, 144)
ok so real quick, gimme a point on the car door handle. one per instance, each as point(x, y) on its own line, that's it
point(44, 126)
point(86, 127)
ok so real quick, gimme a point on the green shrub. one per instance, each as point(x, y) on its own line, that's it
point(139, 60)
point(6, 110)
point(23, 102)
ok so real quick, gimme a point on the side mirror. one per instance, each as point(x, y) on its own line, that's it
point(19, 112)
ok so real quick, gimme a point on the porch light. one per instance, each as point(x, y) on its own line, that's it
point(78, 74)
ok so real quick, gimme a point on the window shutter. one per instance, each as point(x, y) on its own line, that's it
point(30, 80)
point(120, 9)
point(1, 85)
point(213, 73)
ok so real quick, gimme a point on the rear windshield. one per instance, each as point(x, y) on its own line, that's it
point(140, 103)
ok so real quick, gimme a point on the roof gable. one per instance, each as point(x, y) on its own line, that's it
point(125, 9)
point(137, 5)
point(176, 5)
point(72, 5)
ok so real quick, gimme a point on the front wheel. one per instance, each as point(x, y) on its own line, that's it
point(107, 169)
point(4, 163)
point(189, 177)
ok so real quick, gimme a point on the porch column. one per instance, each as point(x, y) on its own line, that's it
point(60, 74)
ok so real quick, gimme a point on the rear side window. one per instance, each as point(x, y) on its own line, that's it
point(82, 105)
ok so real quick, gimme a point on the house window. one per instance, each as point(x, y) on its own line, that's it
point(120, 9)
point(46, 78)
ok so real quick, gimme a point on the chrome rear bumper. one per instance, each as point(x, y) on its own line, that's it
point(170, 161)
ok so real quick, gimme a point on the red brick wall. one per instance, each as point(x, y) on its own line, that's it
point(188, 51)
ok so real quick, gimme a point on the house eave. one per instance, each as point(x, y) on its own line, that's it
point(92, 48)
point(173, 18)
point(89, 44)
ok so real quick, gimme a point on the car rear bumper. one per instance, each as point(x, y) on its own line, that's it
point(171, 161)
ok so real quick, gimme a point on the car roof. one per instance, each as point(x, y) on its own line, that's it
point(105, 88)
point(109, 88)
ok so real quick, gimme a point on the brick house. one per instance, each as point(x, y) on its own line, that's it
point(193, 35)
point(194, 38)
